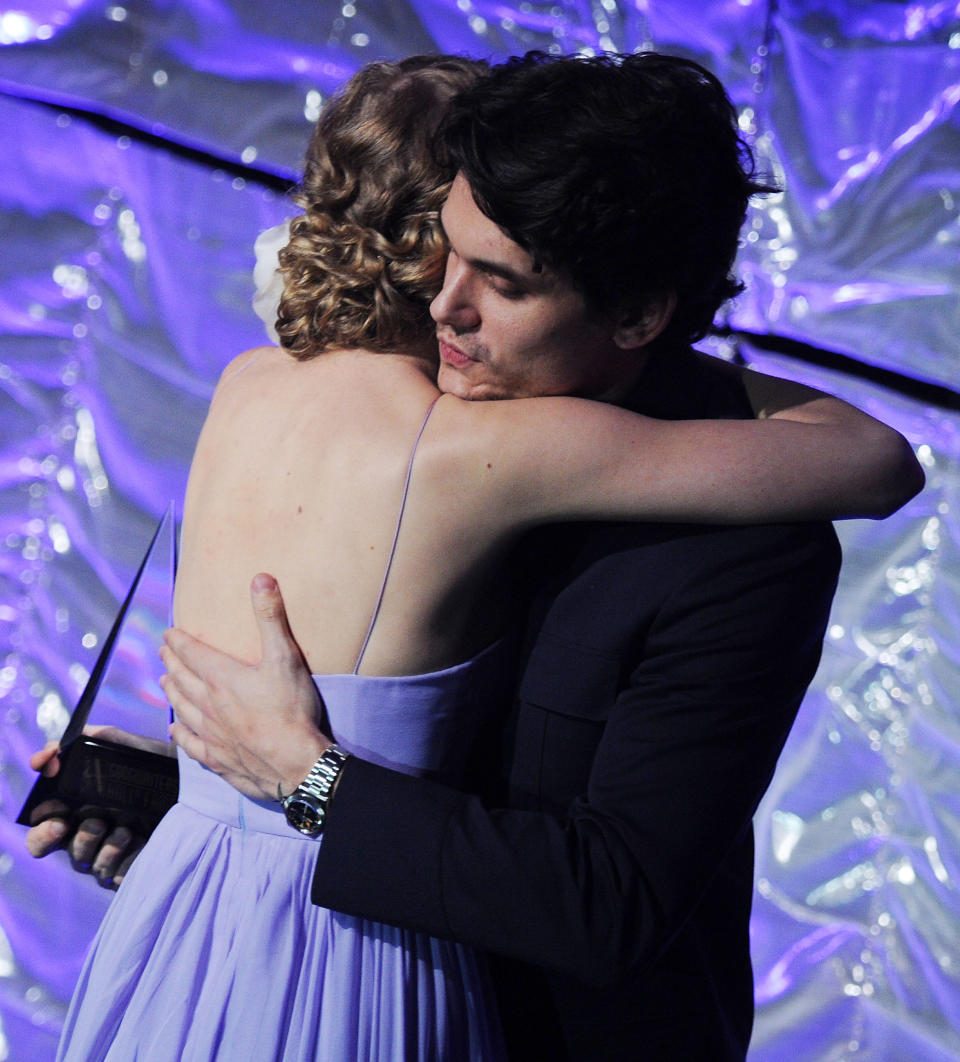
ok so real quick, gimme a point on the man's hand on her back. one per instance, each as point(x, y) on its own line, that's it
point(254, 725)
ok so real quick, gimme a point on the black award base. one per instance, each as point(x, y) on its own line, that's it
point(130, 787)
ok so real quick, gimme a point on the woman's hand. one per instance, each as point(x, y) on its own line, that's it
point(86, 836)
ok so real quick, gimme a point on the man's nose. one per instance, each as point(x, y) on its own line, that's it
point(454, 305)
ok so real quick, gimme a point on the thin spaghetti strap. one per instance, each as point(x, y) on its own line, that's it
point(396, 536)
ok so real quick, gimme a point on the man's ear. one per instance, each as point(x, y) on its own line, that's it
point(638, 327)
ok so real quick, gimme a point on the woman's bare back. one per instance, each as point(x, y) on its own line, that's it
point(300, 472)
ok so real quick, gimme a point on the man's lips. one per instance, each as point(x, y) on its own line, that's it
point(453, 356)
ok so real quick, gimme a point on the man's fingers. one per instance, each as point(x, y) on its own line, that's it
point(189, 650)
point(193, 746)
point(183, 708)
point(276, 641)
point(188, 662)
point(231, 770)
point(194, 665)
point(185, 692)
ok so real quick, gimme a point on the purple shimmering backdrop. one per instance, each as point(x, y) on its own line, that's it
point(125, 286)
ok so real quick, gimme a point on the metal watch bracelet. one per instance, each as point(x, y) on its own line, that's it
point(306, 807)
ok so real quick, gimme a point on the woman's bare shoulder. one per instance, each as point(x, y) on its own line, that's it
point(249, 377)
point(258, 359)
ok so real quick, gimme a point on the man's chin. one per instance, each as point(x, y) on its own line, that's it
point(452, 382)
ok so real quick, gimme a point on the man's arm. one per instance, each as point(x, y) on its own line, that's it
point(686, 752)
point(685, 755)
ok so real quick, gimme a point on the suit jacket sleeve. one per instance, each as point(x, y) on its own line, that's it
point(646, 788)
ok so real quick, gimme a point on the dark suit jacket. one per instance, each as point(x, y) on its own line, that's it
point(662, 669)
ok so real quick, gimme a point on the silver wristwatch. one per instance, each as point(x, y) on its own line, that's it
point(306, 806)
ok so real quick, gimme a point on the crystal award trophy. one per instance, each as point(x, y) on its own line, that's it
point(130, 786)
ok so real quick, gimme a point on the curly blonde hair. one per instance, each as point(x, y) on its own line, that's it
point(367, 255)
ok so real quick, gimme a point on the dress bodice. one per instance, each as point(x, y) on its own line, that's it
point(424, 725)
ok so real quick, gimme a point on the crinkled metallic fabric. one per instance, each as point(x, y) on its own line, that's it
point(144, 148)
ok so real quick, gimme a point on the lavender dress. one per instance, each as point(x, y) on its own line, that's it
point(212, 952)
point(211, 949)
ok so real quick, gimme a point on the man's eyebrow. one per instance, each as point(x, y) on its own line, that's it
point(497, 268)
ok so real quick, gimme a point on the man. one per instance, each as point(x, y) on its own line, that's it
point(662, 666)
point(608, 866)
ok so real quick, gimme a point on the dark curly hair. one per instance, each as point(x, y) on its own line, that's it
point(625, 173)
point(367, 255)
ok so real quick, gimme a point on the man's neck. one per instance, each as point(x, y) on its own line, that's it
point(627, 381)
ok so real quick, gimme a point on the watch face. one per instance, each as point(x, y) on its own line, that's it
point(305, 814)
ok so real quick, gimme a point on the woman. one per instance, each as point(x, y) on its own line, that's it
point(386, 511)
